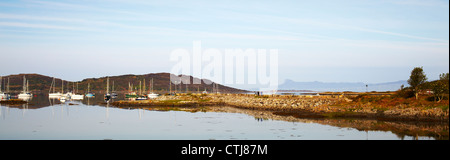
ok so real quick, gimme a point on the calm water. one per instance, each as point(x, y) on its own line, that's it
point(49, 119)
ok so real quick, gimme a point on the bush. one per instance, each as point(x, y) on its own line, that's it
point(404, 93)
point(436, 98)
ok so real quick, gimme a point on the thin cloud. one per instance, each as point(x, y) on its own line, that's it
point(333, 25)
point(421, 3)
point(398, 34)
point(42, 26)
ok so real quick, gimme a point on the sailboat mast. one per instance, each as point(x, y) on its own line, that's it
point(151, 88)
point(107, 85)
point(7, 87)
point(24, 84)
point(51, 85)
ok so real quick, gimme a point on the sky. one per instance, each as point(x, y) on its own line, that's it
point(370, 41)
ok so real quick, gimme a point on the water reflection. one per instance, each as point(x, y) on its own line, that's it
point(214, 121)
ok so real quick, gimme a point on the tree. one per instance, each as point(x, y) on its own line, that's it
point(440, 87)
point(444, 77)
point(416, 79)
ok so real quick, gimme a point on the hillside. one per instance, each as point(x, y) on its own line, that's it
point(41, 84)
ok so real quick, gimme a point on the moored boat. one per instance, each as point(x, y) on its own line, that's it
point(53, 94)
point(152, 95)
point(131, 95)
point(25, 93)
point(3, 96)
point(89, 94)
point(141, 98)
point(107, 96)
point(77, 96)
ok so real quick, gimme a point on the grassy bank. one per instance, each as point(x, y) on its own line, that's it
point(394, 107)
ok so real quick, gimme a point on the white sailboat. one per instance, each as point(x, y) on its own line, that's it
point(69, 94)
point(152, 95)
point(25, 94)
point(77, 96)
point(3, 96)
point(62, 99)
point(63, 96)
point(53, 94)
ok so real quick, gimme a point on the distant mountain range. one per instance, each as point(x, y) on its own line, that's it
point(344, 86)
point(41, 84)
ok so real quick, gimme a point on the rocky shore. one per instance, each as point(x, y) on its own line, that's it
point(300, 106)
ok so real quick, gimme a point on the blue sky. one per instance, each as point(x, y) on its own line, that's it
point(367, 41)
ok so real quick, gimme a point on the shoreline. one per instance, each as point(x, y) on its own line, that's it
point(299, 106)
point(13, 102)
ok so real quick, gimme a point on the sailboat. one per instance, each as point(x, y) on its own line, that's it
point(107, 95)
point(25, 94)
point(113, 94)
point(63, 96)
point(77, 96)
point(89, 94)
point(67, 95)
point(152, 95)
point(53, 94)
point(141, 96)
point(3, 96)
point(131, 94)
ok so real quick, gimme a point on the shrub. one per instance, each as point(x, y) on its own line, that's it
point(404, 93)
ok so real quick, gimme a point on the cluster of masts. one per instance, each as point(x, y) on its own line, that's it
point(73, 95)
point(65, 96)
point(4, 95)
point(24, 95)
point(140, 95)
point(178, 88)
